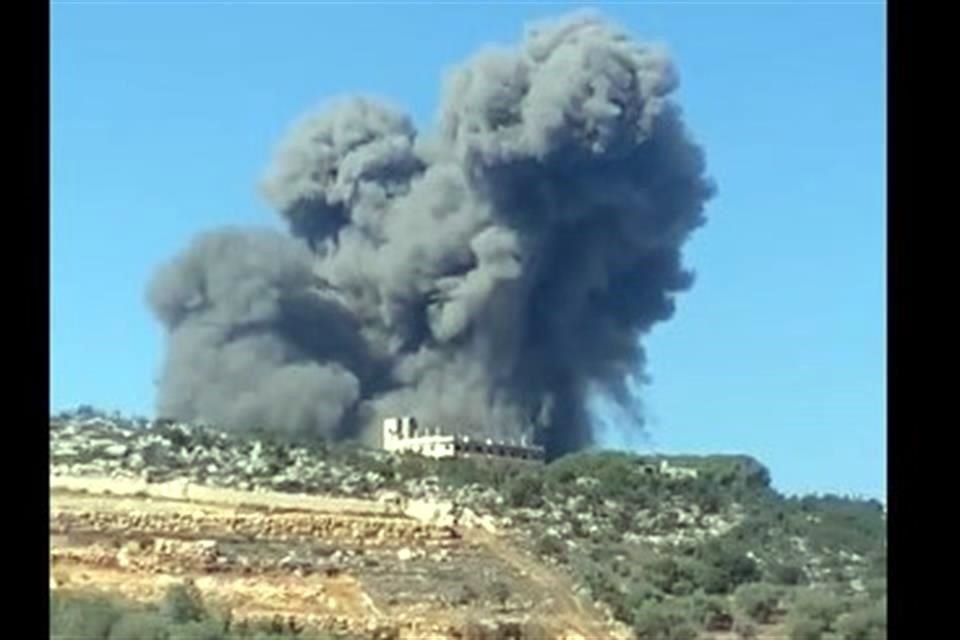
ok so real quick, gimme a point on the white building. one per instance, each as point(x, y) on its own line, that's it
point(404, 435)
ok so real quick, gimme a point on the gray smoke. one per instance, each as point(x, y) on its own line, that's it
point(485, 276)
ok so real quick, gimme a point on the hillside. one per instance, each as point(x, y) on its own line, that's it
point(312, 539)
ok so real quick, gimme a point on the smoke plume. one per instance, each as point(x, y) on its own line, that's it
point(484, 276)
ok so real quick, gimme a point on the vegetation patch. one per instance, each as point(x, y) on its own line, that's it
point(180, 615)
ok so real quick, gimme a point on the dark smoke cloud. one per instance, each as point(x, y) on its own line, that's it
point(486, 276)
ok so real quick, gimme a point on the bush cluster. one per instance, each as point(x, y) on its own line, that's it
point(816, 614)
point(181, 615)
point(759, 602)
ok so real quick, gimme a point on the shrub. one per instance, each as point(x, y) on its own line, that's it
point(711, 612)
point(466, 595)
point(74, 617)
point(413, 466)
point(525, 491)
point(737, 475)
point(495, 474)
point(473, 630)
point(622, 568)
point(579, 529)
point(876, 588)
point(845, 523)
point(156, 454)
point(786, 574)
point(675, 576)
point(758, 601)
point(642, 593)
point(618, 476)
point(813, 613)
point(82, 617)
point(865, 623)
point(805, 629)
point(877, 563)
point(500, 592)
point(183, 603)
point(141, 626)
point(730, 566)
point(534, 631)
point(819, 606)
point(745, 629)
point(549, 545)
point(207, 630)
point(603, 588)
point(711, 579)
point(88, 618)
point(664, 621)
point(710, 503)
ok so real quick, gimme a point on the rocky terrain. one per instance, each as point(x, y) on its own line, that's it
point(340, 539)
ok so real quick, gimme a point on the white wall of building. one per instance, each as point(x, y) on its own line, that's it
point(403, 434)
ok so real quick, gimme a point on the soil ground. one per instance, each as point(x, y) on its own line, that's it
point(320, 564)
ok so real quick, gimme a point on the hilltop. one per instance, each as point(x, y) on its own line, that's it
point(595, 544)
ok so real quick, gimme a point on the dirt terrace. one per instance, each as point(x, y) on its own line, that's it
point(313, 562)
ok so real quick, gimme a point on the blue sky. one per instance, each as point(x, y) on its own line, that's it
point(164, 117)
